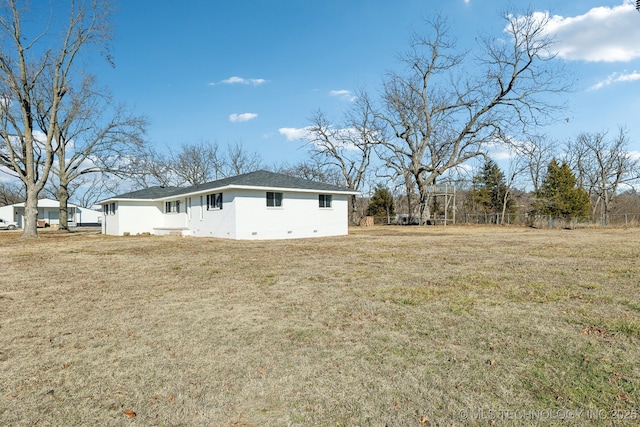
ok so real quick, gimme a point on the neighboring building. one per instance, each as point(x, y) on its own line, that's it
point(252, 206)
point(49, 214)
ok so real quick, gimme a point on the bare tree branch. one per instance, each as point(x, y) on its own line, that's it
point(440, 116)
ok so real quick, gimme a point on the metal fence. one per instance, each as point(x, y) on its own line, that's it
point(547, 221)
point(539, 221)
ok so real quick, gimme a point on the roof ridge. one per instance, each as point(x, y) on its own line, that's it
point(260, 178)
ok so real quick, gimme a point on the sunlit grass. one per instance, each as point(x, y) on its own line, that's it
point(386, 326)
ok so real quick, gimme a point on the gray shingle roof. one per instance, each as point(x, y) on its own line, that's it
point(259, 178)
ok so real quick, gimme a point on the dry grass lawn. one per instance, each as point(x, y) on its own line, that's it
point(387, 326)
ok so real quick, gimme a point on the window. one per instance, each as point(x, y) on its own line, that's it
point(172, 207)
point(214, 201)
point(109, 208)
point(324, 200)
point(274, 199)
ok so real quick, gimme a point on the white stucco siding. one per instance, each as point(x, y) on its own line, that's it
point(298, 217)
point(133, 217)
point(174, 220)
point(205, 222)
point(87, 216)
point(110, 223)
point(6, 213)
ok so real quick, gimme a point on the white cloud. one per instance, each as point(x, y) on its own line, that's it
point(344, 94)
point(616, 78)
point(294, 134)
point(603, 34)
point(244, 117)
point(7, 175)
point(342, 138)
point(234, 80)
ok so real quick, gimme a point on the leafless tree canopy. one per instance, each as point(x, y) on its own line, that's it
point(348, 145)
point(191, 164)
point(94, 135)
point(446, 106)
point(34, 78)
point(10, 194)
point(602, 163)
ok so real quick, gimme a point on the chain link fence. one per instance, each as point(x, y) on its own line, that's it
point(538, 221)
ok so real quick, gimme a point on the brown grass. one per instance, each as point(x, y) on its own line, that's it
point(393, 326)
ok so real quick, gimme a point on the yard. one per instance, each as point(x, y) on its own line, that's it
point(395, 326)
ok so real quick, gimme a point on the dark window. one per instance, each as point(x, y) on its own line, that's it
point(172, 207)
point(274, 199)
point(324, 200)
point(214, 201)
point(106, 209)
point(110, 208)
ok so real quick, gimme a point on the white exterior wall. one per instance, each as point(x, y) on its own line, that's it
point(299, 217)
point(244, 216)
point(87, 216)
point(110, 223)
point(6, 213)
point(174, 219)
point(49, 210)
point(133, 217)
point(215, 222)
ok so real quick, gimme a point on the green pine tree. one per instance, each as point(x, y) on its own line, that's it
point(489, 191)
point(559, 195)
point(381, 203)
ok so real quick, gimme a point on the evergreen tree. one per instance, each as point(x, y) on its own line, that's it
point(559, 195)
point(489, 192)
point(381, 203)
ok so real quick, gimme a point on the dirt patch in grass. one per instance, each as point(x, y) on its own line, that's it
point(387, 326)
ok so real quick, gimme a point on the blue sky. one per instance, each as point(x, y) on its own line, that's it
point(253, 71)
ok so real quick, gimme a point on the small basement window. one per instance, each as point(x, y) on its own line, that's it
point(274, 200)
point(324, 200)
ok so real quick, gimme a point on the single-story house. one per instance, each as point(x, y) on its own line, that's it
point(49, 214)
point(252, 206)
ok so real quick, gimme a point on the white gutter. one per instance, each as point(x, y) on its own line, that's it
point(231, 187)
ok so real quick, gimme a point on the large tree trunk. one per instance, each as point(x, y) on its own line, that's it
point(30, 226)
point(354, 210)
point(63, 198)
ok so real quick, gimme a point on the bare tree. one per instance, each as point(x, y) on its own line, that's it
point(96, 187)
point(601, 165)
point(240, 161)
point(517, 166)
point(536, 154)
point(10, 194)
point(149, 167)
point(398, 170)
point(312, 169)
point(192, 164)
point(347, 147)
point(28, 66)
point(197, 163)
point(441, 116)
point(93, 136)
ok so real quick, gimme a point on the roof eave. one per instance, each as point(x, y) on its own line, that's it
point(259, 188)
point(232, 187)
